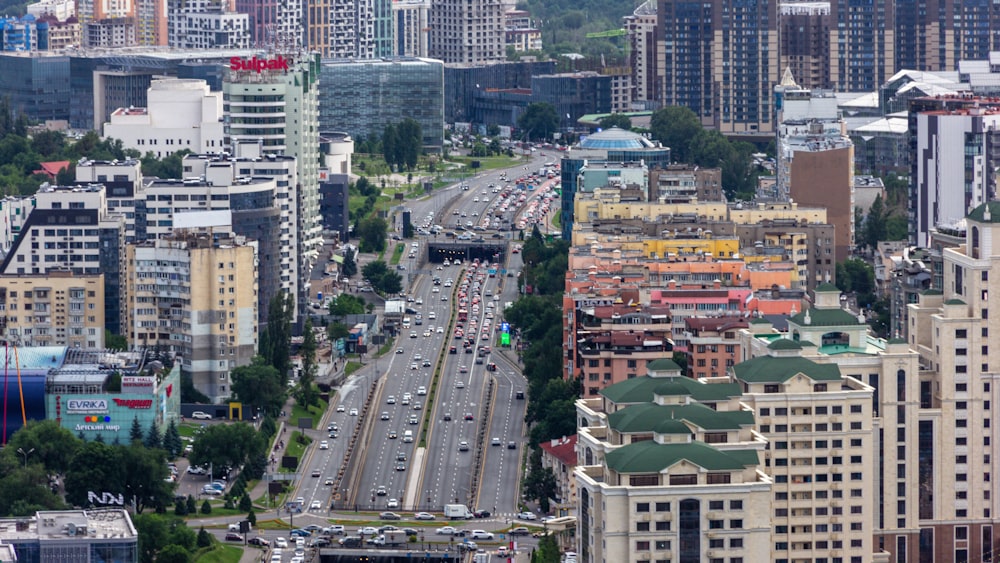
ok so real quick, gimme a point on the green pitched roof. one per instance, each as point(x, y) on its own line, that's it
point(767, 369)
point(954, 302)
point(897, 341)
point(672, 427)
point(759, 321)
point(931, 292)
point(663, 364)
point(645, 417)
point(825, 317)
point(642, 389)
point(651, 457)
point(826, 287)
point(784, 344)
point(977, 214)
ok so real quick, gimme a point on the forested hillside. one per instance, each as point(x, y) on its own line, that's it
point(566, 23)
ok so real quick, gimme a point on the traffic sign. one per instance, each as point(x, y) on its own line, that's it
point(505, 327)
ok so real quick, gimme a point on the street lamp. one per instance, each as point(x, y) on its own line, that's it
point(25, 454)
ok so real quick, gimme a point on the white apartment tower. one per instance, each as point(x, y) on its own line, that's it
point(206, 24)
point(273, 100)
point(470, 32)
point(411, 23)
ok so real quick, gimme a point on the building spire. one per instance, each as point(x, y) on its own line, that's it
point(787, 79)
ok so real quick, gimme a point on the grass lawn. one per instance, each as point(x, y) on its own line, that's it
point(219, 554)
point(557, 219)
point(351, 367)
point(316, 412)
point(188, 429)
point(296, 448)
point(397, 254)
point(486, 162)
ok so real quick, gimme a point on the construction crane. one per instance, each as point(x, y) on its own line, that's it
point(608, 33)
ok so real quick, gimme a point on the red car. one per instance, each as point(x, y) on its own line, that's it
point(468, 416)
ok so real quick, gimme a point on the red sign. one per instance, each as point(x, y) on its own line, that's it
point(258, 65)
point(134, 403)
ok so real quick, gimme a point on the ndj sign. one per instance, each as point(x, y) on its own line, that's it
point(258, 65)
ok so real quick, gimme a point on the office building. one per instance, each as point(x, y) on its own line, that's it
point(72, 229)
point(196, 297)
point(805, 42)
point(87, 535)
point(334, 182)
point(58, 308)
point(470, 32)
point(362, 97)
point(411, 27)
point(38, 86)
point(670, 468)
point(279, 108)
point(182, 114)
point(465, 83)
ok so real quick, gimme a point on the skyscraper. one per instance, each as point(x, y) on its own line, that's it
point(467, 31)
point(350, 29)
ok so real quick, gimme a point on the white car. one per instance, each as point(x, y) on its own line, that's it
point(427, 333)
point(421, 390)
point(423, 516)
point(200, 415)
point(526, 516)
point(481, 535)
point(280, 542)
point(315, 505)
point(446, 531)
point(340, 408)
point(354, 412)
point(460, 384)
point(324, 445)
point(440, 330)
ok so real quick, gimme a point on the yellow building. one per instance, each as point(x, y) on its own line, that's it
point(198, 298)
point(55, 309)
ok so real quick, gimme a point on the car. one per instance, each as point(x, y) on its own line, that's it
point(340, 408)
point(519, 531)
point(315, 473)
point(468, 546)
point(332, 427)
point(447, 416)
point(463, 446)
point(423, 516)
point(414, 420)
point(420, 301)
point(233, 536)
point(413, 366)
point(386, 528)
point(481, 535)
point(385, 415)
point(381, 491)
point(212, 492)
point(201, 415)
point(427, 363)
point(315, 505)
point(463, 369)
point(417, 406)
point(427, 333)
point(452, 350)
point(440, 330)
point(460, 384)
point(328, 483)
point(388, 516)
point(526, 516)
point(368, 531)
point(392, 503)
point(548, 518)
point(196, 470)
point(391, 400)
point(280, 542)
point(444, 298)
point(324, 445)
point(400, 466)
point(511, 445)
point(334, 530)
point(495, 442)
point(399, 350)
point(354, 412)
point(468, 416)
point(319, 542)
point(446, 531)
point(391, 435)
point(481, 514)
point(421, 390)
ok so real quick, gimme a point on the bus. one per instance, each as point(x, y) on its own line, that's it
point(463, 315)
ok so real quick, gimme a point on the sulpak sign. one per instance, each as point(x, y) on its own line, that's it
point(258, 65)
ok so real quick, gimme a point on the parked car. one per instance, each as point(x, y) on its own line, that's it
point(201, 415)
point(233, 536)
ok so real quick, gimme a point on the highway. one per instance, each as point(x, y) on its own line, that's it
point(437, 471)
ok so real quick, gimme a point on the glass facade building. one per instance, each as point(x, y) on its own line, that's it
point(362, 97)
point(38, 85)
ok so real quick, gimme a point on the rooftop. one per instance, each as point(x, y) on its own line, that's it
point(648, 417)
point(770, 369)
point(652, 457)
point(615, 138)
point(644, 389)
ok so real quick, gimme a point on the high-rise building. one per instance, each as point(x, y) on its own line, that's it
point(955, 142)
point(276, 24)
point(195, 295)
point(862, 44)
point(275, 101)
point(936, 35)
point(467, 31)
point(411, 26)
point(643, 42)
point(351, 29)
point(58, 308)
point(805, 42)
point(206, 24)
point(670, 469)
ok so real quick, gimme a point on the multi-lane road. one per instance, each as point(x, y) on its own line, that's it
point(431, 471)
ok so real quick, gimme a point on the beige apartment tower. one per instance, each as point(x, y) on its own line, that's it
point(58, 308)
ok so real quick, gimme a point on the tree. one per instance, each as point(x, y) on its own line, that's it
point(547, 552)
point(381, 278)
point(180, 507)
point(675, 127)
point(348, 267)
point(228, 445)
point(276, 339)
point(206, 507)
point(411, 141)
point(539, 121)
point(245, 503)
point(306, 394)
point(205, 539)
point(371, 232)
point(390, 146)
point(134, 471)
point(337, 331)
point(172, 440)
point(153, 438)
point(53, 445)
point(619, 120)
point(192, 506)
point(540, 483)
point(347, 304)
point(135, 433)
point(260, 385)
point(173, 553)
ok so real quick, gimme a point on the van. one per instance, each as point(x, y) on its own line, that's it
point(406, 322)
point(408, 436)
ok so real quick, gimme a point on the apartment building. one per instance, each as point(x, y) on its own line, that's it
point(669, 468)
point(196, 296)
point(713, 345)
point(58, 308)
point(206, 24)
point(72, 229)
point(410, 20)
point(467, 32)
point(821, 453)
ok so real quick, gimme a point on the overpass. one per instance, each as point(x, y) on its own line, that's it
point(484, 249)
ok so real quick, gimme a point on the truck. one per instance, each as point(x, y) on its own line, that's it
point(457, 512)
point(395, 537)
